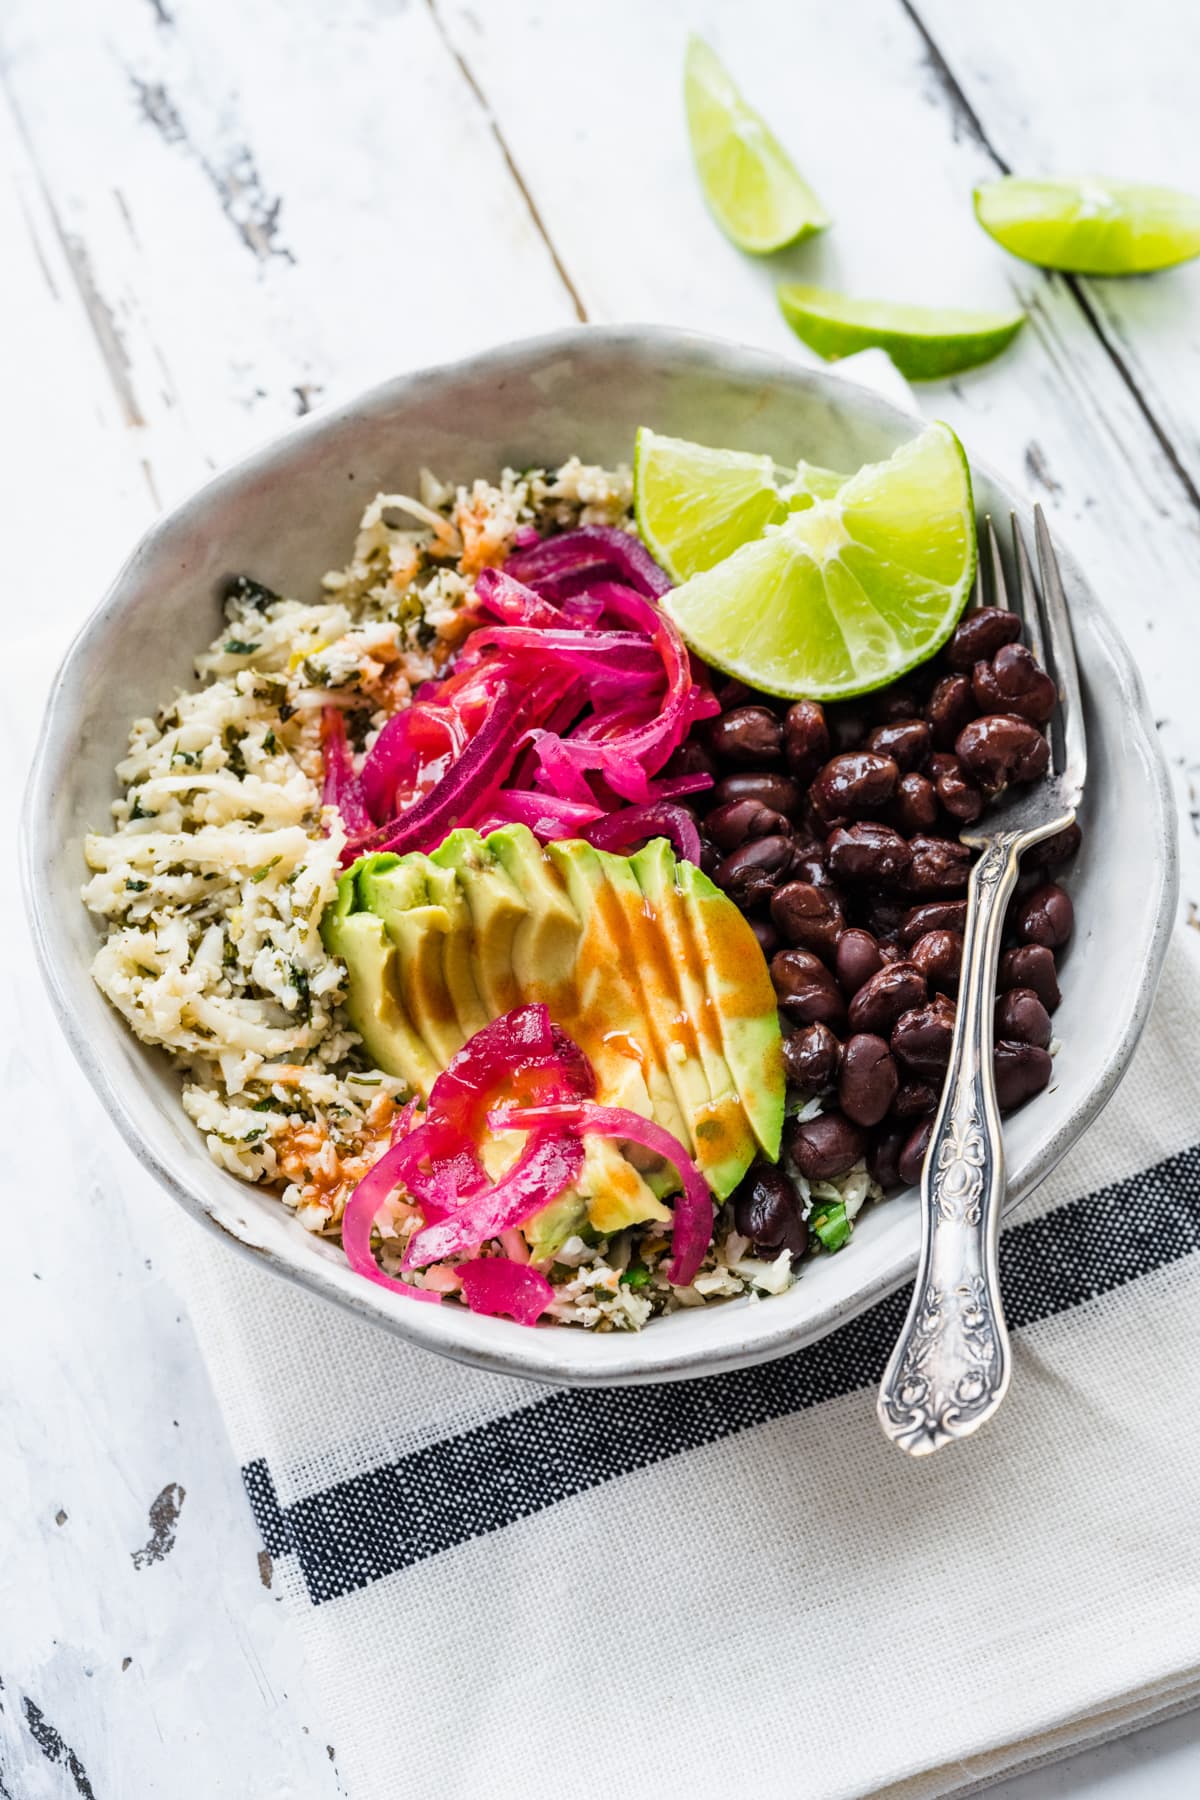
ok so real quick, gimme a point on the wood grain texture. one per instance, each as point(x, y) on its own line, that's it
point(218, 214)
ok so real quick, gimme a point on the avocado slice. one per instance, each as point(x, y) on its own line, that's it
point(740, 991)
point(497, 907)
point(615, 1194)
point(373, 1001)
point(546, 944)
point(723, 1137)
point(608, 1022)
point(396, 890)
point(675, 1055)
point(458, 950)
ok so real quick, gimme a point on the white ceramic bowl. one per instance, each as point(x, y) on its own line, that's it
point(286, 515)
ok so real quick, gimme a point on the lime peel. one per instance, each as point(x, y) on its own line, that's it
point(926, 343)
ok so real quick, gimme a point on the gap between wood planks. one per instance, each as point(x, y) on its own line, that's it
point(510, 161)
point(960, 102)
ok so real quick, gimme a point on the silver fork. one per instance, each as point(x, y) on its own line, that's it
point(950, 1368)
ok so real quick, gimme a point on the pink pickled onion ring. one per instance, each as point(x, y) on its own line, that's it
point(692, 1230)
point(342, 789)
point(463, 792)
point(635, 824)
point(358, 1221)
point(496, 1284)
point(590, 547)
point(545, 1168)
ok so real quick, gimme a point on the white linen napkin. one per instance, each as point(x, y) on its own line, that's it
point(736, 1584)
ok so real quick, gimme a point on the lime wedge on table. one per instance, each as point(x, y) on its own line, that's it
point(924, 342)
point(1089, 226)
point(851, 592)
point(758, 196)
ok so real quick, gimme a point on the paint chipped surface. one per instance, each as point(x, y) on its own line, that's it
point(55, 1749)
point(164, 1516)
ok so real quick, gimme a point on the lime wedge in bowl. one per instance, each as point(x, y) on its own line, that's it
point(1089, 226)
point(755, 191)
point(924, 342)
point(853, 591)
point(696, 505)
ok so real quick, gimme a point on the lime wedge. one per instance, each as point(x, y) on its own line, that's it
point(853, 591)
point(1089, 226)
point(753, 187)
point(810, 483)
point(924, 342)
point(695, 506)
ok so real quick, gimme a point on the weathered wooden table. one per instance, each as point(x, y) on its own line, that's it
point(218, 214)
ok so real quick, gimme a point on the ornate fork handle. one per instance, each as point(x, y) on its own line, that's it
point(950, 1369)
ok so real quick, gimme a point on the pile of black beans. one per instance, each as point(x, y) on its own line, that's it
point(835, 830)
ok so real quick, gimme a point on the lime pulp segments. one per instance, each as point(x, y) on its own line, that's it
point(755, 191)
point(924, 342)
point(1089, 226)
point(851, 593)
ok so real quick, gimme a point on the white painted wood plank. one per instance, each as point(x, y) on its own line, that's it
point(270, 206)
point(851, 91)
point(1061, 89)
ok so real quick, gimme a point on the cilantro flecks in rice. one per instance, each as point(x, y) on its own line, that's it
point(213, 882)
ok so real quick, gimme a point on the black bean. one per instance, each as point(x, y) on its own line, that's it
point(868, 1078)
point(853, 784)
point(809, 916)
point(857, 959)
point(911, 1160)
point(779, 792)
point(883, 917)
point(825, 1147)
point(902, 699)
point(980, 634)
point(883, 1159)
point(906, 741)
point(921, 1037)
point(806, 991)
point(710, 856)
point(767, 1210)
point(914, 804)
point(749, 737)
point(938, 866)
point(1046, 917)
point(938, 955)
point(750, 874)
point(768, 937)
point(1000, 747)
point(738, 820)
point(811, 1056)
point(914, 1100)
point(1022, 1070)
point(734, 693)
point(808, 864)
point(848, 724)
point(936, 915)
point(805, 739)
point(868, 852)
point(691, 758)
point(885, 995)
point(955, 789)
point(1052, 850)
point(951, 705)
point(1031, 966)
point(1013, 683)
point(1021, 1017)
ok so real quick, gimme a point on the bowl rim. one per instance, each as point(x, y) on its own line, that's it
point(636, 1362)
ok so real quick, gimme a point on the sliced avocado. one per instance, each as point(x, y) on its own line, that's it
point(608, 1022)
point(724, 1141)
point(398, 893)
point(549, 1229)
point(676, 1078)
point(739, 987)
point(373, 1001)
point(546, 944)
point(458, 951)
point(497, 907)
point(615, 1193)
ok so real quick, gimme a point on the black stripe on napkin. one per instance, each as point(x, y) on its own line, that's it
point(388, 1518)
